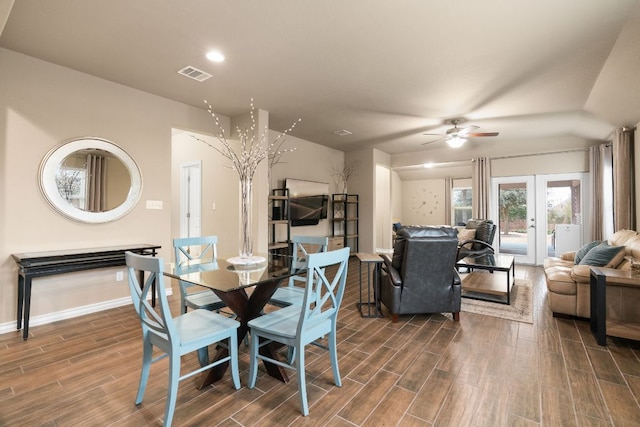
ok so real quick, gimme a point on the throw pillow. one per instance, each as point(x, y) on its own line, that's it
point(586, 248)
point(604, 255)
point(466, 234)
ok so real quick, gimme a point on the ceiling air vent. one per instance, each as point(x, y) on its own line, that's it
point(194, 73)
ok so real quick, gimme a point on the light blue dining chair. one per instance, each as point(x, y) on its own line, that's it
point(178, 336)
point(194, 248)
point(299, 325)
point(303, 246)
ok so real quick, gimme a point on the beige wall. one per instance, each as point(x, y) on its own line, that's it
point(42, 105)
point(219, 186)
point(423, 202)
point(311, 162)
point(569, 162)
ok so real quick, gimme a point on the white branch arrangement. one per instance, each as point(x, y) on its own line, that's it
point(254, 148)
point(348, 170)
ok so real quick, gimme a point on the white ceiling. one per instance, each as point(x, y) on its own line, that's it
point(388, 71)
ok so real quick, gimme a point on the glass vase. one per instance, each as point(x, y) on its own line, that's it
point(246, 231)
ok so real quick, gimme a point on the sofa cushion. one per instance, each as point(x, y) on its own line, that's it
point(604, 255)
point(584, 250)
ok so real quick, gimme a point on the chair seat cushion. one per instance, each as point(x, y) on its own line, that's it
point(287, 295)
point(283, 322)
point(196, 327)
point(205, 299)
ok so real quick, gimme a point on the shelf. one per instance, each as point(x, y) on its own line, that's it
point(623, 330)
point(345, 219)
point(278, 245)
point(279, 221)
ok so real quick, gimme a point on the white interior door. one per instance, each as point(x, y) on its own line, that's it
point(190, 199)
point(514, 204)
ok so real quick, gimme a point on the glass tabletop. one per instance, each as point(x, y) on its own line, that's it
point(494, 261)
point(224, 276)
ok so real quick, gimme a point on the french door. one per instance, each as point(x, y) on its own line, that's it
point(539, 216)
point(514, 209)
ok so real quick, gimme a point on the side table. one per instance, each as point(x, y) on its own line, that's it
point(376, 260)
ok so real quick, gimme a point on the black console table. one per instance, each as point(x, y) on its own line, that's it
point(38, 264)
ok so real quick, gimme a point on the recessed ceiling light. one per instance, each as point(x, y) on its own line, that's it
point(215, 56)
point(342, 132)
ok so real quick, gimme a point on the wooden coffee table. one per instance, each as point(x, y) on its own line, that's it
point(482, 283)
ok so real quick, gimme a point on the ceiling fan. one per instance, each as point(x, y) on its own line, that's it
point(457, 136)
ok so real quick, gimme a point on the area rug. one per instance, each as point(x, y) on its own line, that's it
point(521, 308)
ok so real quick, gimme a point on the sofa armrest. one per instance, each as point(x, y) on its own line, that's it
point(581, 273)
point(392, 273)
point(569, 256)
point(456, 278)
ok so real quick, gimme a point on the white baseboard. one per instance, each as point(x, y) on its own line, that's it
point(44, 319)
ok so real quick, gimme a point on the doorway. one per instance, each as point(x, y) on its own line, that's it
point(536, 215)
point(190, 199)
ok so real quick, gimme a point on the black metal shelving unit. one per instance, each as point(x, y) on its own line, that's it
point(345, 218)
point(279, 221)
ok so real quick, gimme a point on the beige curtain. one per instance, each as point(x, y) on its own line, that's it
point(448, 185)
point(481, 187)
point(623, 180)
point(96, 183)
point(596, 167)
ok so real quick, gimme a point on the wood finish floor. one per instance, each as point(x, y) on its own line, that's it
point(424, 370)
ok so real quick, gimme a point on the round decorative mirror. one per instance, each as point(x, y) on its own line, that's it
point(90, 180)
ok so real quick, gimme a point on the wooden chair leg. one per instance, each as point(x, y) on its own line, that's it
point(394, 318)
point(456, 316)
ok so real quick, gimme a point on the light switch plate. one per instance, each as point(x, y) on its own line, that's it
point(154, 204)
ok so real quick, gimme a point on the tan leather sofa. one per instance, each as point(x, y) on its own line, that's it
point(569, 290)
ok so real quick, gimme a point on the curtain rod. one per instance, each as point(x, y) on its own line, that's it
point(539, 154)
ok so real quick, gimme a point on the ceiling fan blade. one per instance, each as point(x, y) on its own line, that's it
point(437, 134)
point(431, 142)
point(465, 131)
point(473, 135)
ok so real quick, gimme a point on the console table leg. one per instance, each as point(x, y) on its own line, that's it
point(27, 307)
point(20, 301)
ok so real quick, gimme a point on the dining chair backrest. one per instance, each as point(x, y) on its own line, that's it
point(303, 246)
point(190, 248)
point(204, 248)
point(160, 321)
point(324, 289)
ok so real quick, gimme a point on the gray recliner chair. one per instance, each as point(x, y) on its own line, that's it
point(421, 277)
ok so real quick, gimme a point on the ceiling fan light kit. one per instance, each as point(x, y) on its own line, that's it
point(455, 141)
